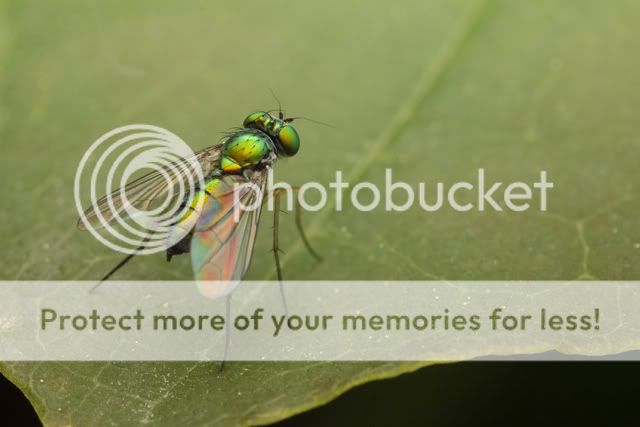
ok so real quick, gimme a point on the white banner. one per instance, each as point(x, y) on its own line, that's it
point(346, 321)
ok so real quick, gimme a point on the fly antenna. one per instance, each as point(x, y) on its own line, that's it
point(290, 119)
point(280, 113)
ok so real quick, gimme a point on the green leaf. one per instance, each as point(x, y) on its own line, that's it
point(433, 89)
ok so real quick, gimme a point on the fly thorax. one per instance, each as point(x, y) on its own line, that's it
point(243, 150)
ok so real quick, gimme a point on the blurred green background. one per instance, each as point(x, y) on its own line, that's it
point(432, 89)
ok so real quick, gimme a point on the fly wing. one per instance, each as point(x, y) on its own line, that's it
point(224, 237)
point(142, 192)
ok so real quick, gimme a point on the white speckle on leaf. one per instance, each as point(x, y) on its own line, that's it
point(7, 322)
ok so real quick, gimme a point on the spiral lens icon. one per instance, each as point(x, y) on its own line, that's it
point(150, 179)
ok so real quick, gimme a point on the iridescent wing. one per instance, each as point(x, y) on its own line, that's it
point(142, 192)
point(224, 236)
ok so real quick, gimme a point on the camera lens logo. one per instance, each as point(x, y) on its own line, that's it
point(140, 217)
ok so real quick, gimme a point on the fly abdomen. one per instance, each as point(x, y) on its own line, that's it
point(207, 207)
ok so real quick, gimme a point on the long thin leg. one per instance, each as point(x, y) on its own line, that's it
point(276, 248)
point(299, 226)
point(276, 240)
point(113, 270)
point(227, 332)
point(301, 232)
point(120, 264)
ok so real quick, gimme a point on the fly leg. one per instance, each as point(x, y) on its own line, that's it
point(276, 248)
point(298, 208)
point(303, 236)
point(120, 264)
point(227, 331)
point(113, 270)
point(276, 240)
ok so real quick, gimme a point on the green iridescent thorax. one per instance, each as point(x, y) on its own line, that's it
point(244, 149)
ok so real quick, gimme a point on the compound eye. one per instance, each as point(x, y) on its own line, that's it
point(289, 140)
point(254, 120)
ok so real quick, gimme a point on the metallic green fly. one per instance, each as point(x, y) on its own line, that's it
point(220, 245)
